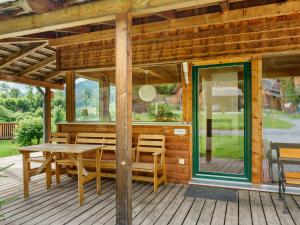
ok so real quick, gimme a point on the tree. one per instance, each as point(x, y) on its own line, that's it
point(15, 93)
point(289, 91)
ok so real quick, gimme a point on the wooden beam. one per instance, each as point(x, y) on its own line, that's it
point(52, 75)
point(188, 22)
point(124, 119)
point(89, 13)
point(70, 96)
point(36, 67)
point(20, 54)
point(23, 80)
point(47, 114)
point(257, 147)
point(22, 40)
point(224, 5)
point(168, 15)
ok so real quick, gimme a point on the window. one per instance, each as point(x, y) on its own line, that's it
point(87, 99)
point(95, 95)
point(281, 108)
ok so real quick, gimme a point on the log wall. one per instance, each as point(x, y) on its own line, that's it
point(177, 146)
point(240, 38)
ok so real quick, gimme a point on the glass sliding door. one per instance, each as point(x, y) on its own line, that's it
point(222, 121)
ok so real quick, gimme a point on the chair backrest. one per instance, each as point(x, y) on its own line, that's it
point(107, 139)
point(59, 138)
point(291, 153)
point(149, 143)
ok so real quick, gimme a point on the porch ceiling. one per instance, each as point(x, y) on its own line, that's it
point(26, 57)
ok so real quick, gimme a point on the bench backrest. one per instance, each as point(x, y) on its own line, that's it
point(291, 153)
point(149, 143)
point(107, 139)
point(59, 138)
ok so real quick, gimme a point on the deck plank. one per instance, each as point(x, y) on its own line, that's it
point(100, 208)
point(294, 209)
point(284, 218)
point(70, 211)
point(66, 195)
point(135, 202)
point(161, 207)
point(207, 212)
point(168, 192)
point(194, 213)
point(244, 208)
point(269, 209)
point(258, 216)
point(232, 214)
point(182, 211)
point(167, 215)
point(219, 213)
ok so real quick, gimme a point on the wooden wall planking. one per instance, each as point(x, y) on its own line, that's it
point(178, 146)
point(259, 36)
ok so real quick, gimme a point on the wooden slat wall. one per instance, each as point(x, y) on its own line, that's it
point(177, 146)
point(259, 36)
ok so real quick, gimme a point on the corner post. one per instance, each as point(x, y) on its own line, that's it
point(47, 114)
point(124, 119)
point(70, 96)
point(257, 148)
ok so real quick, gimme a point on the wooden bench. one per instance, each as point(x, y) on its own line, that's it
point(273, 155)
point(287, 155)
point(150, 146)
point(55, 138)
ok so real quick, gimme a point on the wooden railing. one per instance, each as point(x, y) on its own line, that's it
point(7, 130)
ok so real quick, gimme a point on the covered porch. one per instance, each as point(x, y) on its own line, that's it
point(112, 49)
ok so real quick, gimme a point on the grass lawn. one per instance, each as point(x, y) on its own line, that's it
point(225, 146)
point(8, 148)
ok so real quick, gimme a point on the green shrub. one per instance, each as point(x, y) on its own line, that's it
point(164, 113)
point(29, 131)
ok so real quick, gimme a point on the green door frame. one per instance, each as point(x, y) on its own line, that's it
point(246, 177)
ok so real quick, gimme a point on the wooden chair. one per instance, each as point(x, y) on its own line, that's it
point(153, 146)
point(287, 155)
point(107, 156)
point(55, 138)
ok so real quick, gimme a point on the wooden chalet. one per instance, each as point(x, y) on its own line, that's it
point(214, 50)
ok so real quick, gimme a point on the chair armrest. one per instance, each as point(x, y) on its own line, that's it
point(159, 152)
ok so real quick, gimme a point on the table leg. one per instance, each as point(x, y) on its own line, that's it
point(57, 169)
point(48, 171)
point(80, 178)
point(98, 171)
point(26, 175)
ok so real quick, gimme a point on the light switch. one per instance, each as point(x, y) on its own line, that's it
point(181, 161)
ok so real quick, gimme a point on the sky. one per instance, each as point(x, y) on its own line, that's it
point(15, 85)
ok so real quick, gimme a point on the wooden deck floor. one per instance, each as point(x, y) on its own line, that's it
point(168, 206)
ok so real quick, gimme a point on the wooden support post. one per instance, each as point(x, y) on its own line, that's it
point(47, 114)
point(104, 99)
point(70, 96)
point(124, 119)
point(257, 147)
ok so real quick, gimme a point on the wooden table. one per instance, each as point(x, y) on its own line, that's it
point(74, 152)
